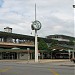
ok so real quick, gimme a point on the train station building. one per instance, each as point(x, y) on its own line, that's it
point(18, 46)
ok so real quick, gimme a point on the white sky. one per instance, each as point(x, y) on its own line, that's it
point(56, 16)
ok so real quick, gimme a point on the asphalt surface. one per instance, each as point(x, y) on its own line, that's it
point(50, 68)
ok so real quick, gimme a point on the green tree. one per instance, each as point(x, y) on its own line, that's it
point(70, 42)
point(54, 43)
point(42, 45)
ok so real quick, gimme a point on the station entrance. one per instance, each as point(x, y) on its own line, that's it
point(8, 55)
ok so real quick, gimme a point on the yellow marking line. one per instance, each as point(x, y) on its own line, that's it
point(5, 69)
point(53, 72)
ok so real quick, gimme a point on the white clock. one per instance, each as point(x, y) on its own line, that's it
point(36, 25)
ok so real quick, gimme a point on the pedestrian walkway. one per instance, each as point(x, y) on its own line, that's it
point(61, 62)
point(40, 61)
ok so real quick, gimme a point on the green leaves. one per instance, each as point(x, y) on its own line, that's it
point(42, 45)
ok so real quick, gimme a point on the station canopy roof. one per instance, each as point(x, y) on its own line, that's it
point(63, 36)
point(15, 36)
point(21, 36)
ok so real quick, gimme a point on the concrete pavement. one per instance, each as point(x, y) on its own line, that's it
point(51, 68)
point(40, 61)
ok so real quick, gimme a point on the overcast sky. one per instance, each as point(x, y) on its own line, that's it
point(56, 16)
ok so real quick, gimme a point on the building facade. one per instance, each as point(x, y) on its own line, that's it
point(14, 46)
point(64, 44)
point(18, 46)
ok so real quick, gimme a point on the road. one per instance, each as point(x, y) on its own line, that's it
point(52, 68)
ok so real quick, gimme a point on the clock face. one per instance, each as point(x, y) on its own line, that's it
point(36, 25)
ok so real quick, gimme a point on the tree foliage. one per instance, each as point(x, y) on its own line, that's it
point(54, 43)
point(42, 45)
point(70, 42)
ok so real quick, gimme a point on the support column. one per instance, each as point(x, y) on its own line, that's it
point(69, 54)
point(51, 55)
point(36, 47)
point(17, 55)
point(73, 54)
point(1, 55)
point(31, 55)
point(15, 40)
point(42, 55)
point(1, 40)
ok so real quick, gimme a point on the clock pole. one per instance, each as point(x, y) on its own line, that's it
point(36, 25)
point(36, 45)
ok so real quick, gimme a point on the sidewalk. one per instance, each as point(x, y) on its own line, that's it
point(60, 62)
point(39, 61)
